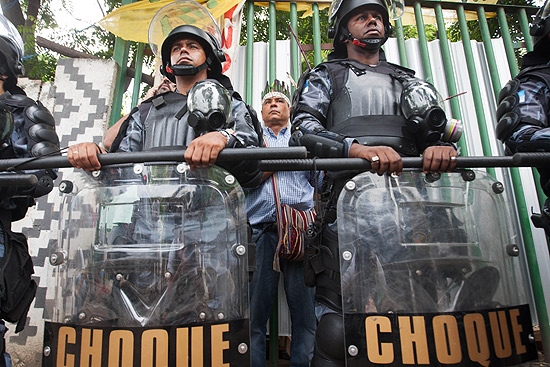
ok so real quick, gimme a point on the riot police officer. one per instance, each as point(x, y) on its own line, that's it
point(27, 131)
point(524, 106)
point(190, 54)
point(352, 106)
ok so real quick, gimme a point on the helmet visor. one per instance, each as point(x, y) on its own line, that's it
point(396, 8)
point(334, 6)
point(181, 12)
point(544, 12)
point(10, 33)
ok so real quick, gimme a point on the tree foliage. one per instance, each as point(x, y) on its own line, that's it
point(32, 16)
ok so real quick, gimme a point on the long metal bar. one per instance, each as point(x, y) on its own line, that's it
point(233, 154)
point(290, 158)
point(508, 45)
point(249, 51)
point(137, 74)
point(317, 57)
point(474, 84)
point(401, 43)
point(338, 164)
point(426, 64)
point(449, 70)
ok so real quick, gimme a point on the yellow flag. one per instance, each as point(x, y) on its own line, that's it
point(407, 19)
point(131, 22)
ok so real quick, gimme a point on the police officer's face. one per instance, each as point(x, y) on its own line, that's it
point(366, 22)
point(187, 51)
point(275, 110)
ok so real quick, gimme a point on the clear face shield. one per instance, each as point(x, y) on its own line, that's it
point(8, 31)
point(396, 8)
point(544, 12)
point(178, 13)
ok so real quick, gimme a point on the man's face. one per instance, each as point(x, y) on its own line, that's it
point(187, 51)
point(366, 22)
point(165, 86)
point(275, 110)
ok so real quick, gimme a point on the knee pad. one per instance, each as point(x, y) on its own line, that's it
point(329, 339)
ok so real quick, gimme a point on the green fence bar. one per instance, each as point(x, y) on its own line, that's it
point(489, 52)
point(249, 51)
point(524, 24)
point(426, 65)
point(317, 57)
point(532, 261)
point(474, 84)
point(274, 317)
point(449, 71)
point(272, 41)
point(294, 51)
point(120, 56)
point(137, 74)
point(508, 45)
point(401, 43)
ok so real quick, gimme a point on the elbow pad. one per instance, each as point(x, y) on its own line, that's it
point(317, 145)
point(40, 128)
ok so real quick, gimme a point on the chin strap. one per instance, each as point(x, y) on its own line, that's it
point(370, 44)
point(186, 70)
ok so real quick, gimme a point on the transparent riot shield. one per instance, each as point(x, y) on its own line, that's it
point(431, 273)
point(151, 270)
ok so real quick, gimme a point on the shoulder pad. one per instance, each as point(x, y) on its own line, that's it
point(539, 72)
point(236, 95)
point(18, 100)
point(400, 68)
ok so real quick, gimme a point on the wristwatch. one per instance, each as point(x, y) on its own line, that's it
point(226, 135)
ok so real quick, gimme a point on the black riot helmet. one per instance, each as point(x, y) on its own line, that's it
point(340, 11)
point(186, 18)
point(541, 25)
point(11, 52)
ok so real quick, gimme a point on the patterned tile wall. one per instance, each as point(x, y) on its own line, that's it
point(80, 101)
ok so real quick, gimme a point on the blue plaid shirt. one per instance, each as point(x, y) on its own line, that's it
point(295, 187)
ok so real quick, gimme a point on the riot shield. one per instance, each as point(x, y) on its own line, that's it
point(151, 270)
point(431, 273)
